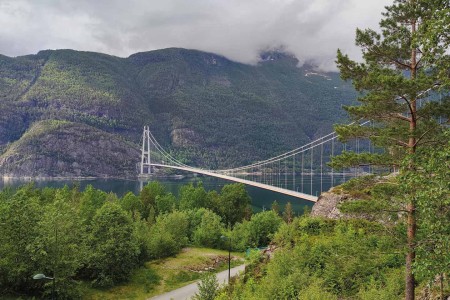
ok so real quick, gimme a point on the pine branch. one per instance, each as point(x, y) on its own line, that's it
point(392, 60)
point(398, 142)
point(401, 117)
point(431, 142)
point(422, 136)
point(409, 104)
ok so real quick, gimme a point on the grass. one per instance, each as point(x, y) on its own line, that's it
point(163, 275)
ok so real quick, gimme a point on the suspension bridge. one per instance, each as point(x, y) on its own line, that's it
point(292, 173)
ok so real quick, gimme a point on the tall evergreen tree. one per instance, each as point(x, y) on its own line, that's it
point(403, 66)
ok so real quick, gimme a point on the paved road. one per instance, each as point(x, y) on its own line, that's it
point(186, 292)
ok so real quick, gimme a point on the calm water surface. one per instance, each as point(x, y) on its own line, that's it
point(261, 199)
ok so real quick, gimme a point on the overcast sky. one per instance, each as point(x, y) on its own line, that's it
point(237, 29)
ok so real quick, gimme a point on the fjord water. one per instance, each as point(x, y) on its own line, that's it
point(261, 199)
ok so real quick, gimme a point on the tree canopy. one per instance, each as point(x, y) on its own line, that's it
point(405, 68)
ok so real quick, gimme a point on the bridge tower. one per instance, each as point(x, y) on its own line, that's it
point(146, 168)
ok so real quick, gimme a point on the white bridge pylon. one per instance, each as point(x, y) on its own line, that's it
point(290, 173)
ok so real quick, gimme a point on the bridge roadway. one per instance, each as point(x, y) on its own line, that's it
point(244, 181)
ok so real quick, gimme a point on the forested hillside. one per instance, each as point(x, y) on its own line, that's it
point(209, 111)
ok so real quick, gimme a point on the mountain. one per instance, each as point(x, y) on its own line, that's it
point(56, 107)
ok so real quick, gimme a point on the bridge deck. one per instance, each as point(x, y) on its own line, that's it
point(244, 181)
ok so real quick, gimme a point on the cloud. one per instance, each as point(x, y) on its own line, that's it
point(237, 29)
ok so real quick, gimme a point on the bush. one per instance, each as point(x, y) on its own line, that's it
point(262, 226)
point(207, 287)
point(113, 246)
point(161, 245)
point(168, 235)
point(209, 231)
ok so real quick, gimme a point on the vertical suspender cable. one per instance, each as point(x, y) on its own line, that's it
point(321, 167)
point(279, 174)
point(285, 173)
point(293, 172)
point(263, 174)
point(311, 170)
point(303, 156)
point(332, 169)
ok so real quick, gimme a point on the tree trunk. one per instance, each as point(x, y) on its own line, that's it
point(411, 208)
point(410, 256)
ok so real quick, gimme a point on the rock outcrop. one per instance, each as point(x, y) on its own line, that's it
point(54, 148)
point(327, 205)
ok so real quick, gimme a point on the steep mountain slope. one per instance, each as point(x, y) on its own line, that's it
point(209, 111)
point(60, 148)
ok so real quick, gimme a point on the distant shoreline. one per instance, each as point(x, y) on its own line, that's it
point(79, 178)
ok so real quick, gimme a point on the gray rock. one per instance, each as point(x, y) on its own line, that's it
point(327, 205)
point(66, 149)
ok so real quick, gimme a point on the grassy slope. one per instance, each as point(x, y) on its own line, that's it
point(163, 275)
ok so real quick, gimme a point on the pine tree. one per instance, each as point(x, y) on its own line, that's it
point(288, 214)
point(276, 207)
point(405, 64)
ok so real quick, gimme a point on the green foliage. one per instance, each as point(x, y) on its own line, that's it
point(322, 259)
point(141, 230)
point(169, 234)
point(431, 182)
point(207, 287)
point(165, 203)
point(262, 226)
point(316, 291)
point(240, 236)
point(60, 247)
point(40, 233)
point(148, 196)
point(389, 287)
point(397, 73)
point(359, 183)
point(404, 65)
point(113, 244)
point(275, 207)
point(161, 245)
point(131, 203)
point(288, 213)
point(92, 236)
point(209, 231)
point(233, 203)
point(192, 197)
point(91, 200)
point(19, 217)
point(257, 232)
point(349, 159)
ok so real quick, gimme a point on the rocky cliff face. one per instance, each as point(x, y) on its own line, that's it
point(59, 148)
point(327, 205)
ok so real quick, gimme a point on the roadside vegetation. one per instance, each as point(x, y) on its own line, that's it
point(163, 275)
point(397, 242)
point(94, 240)
point(362, 254)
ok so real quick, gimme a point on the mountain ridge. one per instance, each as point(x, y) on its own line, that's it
point(206, 109)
